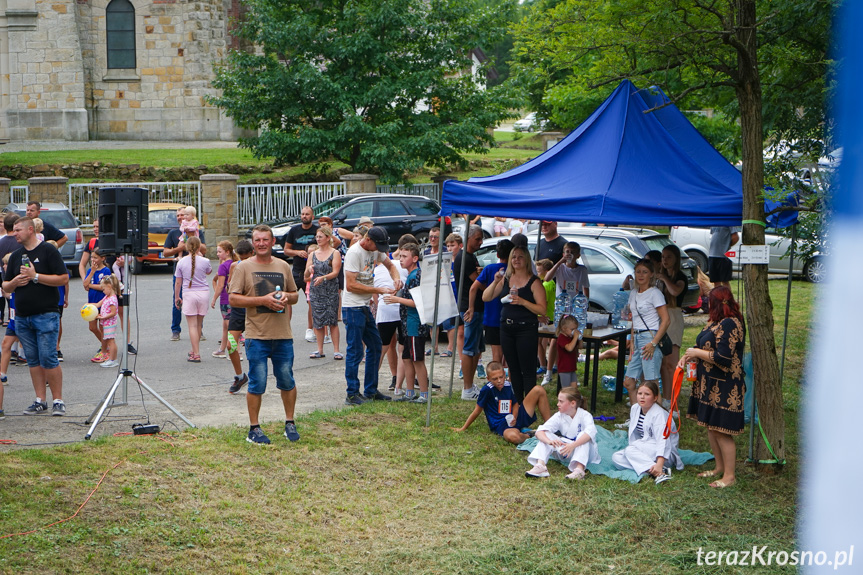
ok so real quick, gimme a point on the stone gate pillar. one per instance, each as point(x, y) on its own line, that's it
point(5, 192)
point(49, 189)
point(219, 209)
point(360, 183)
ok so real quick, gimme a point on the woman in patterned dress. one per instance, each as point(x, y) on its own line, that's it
point(322, 270)
point(717, 393)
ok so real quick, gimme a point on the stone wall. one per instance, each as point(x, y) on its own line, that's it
point(164, 97)
point(41, 72)
point(55, 82)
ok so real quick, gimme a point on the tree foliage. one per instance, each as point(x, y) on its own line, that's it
point(381, 85)
point(763, 62)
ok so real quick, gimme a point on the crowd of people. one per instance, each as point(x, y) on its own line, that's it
point(350, 277)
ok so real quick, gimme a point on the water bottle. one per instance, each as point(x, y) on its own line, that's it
point(25, 261)
point(278, 296)
point(619, 299)
point(579, 309)
point(561, 306)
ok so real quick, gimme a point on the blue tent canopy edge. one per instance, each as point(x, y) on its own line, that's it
point(636, 159)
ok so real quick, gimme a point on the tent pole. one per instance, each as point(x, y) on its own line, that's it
point(538, 238)
point(458, 302)
point(435, 326)
point(787, 302)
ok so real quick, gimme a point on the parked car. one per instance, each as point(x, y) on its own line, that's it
point(162, 219)
point(696, 243)
point(398, 214)
point(607, 263)
point(529, 123)
point(640, 241)
point(62, 219)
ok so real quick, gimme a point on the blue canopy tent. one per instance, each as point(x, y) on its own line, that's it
point(622, 165)
point(636, 159)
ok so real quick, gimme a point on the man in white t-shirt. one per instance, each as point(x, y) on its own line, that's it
point(360, 328)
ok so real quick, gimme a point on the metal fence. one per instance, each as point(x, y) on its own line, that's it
point(84, 198)
point(20, 194)
point(257, 203)
point(431, 191)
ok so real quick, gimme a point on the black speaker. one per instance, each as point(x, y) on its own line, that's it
point(123, 221)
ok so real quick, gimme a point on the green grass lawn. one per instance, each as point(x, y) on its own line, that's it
point(372, 490)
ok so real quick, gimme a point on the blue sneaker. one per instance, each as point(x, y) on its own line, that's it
point(291, 432)
point(2, 414)
point(480, 371)
point(38, 408)
point(257, 436)
point(540, 371)
point(3, 378)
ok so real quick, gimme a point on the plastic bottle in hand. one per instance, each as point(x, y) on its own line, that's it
point(25, 261)
point(278, 295)
point(619, 299)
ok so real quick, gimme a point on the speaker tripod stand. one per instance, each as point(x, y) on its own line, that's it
point(125, 373)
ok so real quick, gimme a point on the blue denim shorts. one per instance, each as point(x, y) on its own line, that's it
point(281, 353)
point(639, 365)
point(474, 344)
point(38, 334)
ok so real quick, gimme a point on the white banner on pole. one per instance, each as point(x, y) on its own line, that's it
point(424, 296)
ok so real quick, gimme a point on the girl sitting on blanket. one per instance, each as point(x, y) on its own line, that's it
point(648, 452)
point(569, 437)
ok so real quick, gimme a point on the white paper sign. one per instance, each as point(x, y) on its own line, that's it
point(570, 287)
point(424, 295)
point(754, 254)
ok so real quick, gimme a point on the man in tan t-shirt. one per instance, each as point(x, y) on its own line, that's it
point(264, 285)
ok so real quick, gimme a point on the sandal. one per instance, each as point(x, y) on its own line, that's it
point(710, 473)
point(446, 354)
point(316, 355)
point(338, 357)
point(719, 484)
point(194, 358)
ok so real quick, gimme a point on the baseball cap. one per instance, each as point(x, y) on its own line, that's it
point(381, 238)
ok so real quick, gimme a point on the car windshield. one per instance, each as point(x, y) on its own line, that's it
point(328, 207)
point(657, 242)
point(624, 250)
point(60, 219)
point(163, 219)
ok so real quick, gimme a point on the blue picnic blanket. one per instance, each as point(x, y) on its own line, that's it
point(607, 442)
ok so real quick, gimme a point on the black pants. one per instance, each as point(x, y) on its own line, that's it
point(519, 342)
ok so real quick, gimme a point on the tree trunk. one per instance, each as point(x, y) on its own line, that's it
point(759, 307)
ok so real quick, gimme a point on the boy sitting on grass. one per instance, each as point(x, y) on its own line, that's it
point(504, 415)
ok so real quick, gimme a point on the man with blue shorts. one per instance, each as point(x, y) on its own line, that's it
point(503, 413)
point(35, 284)
point(264, 286)
point(470, 306)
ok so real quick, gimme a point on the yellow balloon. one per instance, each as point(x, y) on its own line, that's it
point(89, 312)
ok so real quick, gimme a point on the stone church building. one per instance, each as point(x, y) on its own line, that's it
point(112, 69)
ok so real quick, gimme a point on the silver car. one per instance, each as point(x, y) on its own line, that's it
point(62, 219)
point(607, 264)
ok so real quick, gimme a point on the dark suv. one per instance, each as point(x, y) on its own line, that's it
point(398, 214)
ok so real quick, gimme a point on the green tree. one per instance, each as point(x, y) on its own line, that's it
point(381, 85)
point(715, 51)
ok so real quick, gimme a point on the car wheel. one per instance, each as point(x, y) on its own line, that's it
point(815, 270)
point(422, 238)
point(699, 258)
point(135, 266)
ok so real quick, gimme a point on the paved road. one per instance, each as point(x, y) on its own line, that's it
point(198, 391)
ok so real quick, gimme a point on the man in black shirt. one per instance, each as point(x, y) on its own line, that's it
point(297, 241)
point(50, 232)
point(470, 336)
point(37, 312)
point(551, 244)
